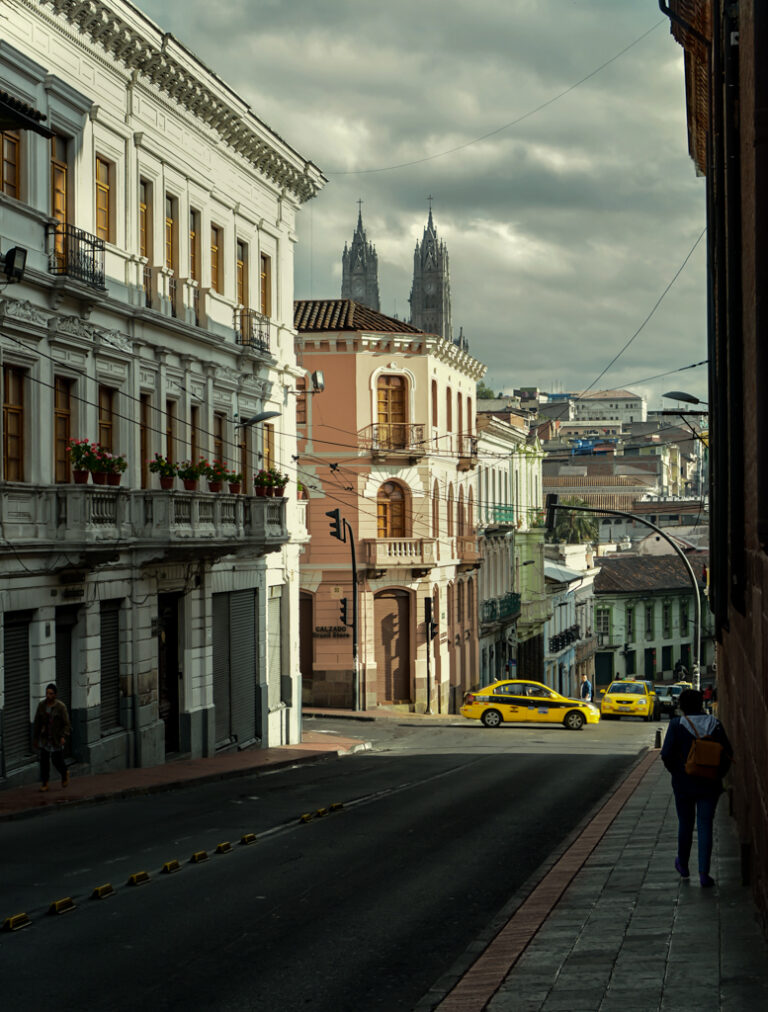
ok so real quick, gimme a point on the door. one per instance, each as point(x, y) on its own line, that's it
point(391, 411)
point(234, 666)
point(17, 730)
point(306, 660)
point(169, 667)
point(392, 618)
point(110, 666)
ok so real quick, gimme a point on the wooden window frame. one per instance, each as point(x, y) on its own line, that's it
point(171, 233)
point(268, 446)
point(104, 190)
point(62, 428)
point(216, 265)
point(107, 398)
point(219, 437)
point(241, 273)
point(391, 522)
point(145, 218)
point(194, 244)
point(10, 176)
point(194, 432)
point(145, 436)
point(14, 383)
point(265, 284)
point(170, 429)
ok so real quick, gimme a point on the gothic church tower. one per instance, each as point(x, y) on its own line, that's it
point(360, 268)
point(431, 292)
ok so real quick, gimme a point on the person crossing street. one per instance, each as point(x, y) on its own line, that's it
point(585, 691)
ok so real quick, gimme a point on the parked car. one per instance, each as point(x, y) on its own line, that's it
point(668, 696)
point(629, 699)
point(521, 701)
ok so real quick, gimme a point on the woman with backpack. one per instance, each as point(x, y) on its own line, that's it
point(697, 753)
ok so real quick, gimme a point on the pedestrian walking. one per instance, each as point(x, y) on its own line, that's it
point(586, 689)
point(50, 732)
point(696, 794)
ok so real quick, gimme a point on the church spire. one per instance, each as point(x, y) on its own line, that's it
point(360, 267)
point(431, 290)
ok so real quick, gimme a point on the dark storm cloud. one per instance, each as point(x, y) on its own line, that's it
point(563, 229)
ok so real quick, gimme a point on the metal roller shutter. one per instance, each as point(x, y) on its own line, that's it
point(110, 665)
point(17, 734)
point(66, 619)
point(221, 695)
point(242, 657)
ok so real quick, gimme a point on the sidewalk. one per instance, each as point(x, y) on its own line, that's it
point(613, 928)
point(19, 802)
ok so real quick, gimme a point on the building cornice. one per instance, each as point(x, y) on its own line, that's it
point(161, 61)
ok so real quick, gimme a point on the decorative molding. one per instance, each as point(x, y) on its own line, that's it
point(234, 122)
point(23, 311)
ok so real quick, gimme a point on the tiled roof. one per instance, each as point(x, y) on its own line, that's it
point(602, 395)
point(324, 315)
point(627, 574)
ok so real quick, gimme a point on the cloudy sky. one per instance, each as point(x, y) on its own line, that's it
point(567, 205)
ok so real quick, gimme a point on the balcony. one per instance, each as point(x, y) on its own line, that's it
point(503, 516)
point(500, 609)
point(252, 330)
point(586, 648)
point(382, 554)
point(76, 254)
point(467, 452)
point(87, 526)
point(393, 440)
point(467, 551)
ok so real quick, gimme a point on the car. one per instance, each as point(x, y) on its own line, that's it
point(522, 701)
point(628, 698)
point(668, 696)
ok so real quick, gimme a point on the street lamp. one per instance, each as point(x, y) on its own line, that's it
point(681, 395)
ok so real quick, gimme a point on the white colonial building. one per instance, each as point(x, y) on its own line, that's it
point(157, 214)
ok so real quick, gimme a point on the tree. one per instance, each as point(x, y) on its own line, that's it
point(575, 528)
point(484, 393)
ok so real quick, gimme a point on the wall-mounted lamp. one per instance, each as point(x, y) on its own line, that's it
point(262, 416)
point(318, 384)
point(14, 263)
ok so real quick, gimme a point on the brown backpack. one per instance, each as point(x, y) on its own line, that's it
point(704, 756)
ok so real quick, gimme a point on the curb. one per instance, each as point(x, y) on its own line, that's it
point(173, 785)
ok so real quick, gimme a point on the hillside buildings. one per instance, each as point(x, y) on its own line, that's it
point(157, 215)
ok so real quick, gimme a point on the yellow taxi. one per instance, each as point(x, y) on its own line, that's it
point(522, 702)
point(628, 698)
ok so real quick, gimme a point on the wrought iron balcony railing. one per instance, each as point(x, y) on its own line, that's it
point(393, 437)
point(76, 254)
point(497, 609)
point(252, 329)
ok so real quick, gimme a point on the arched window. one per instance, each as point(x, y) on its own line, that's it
point(470, 419)
point(434, 403)
point(470, 602)
point(435, 511)
point(390, 508)
point(460, 421)
point(460, 513)
point(449, 513)
point(449, 606)
point(391, 411)
point(449, 418)
point(470, 511)
point(460, 603)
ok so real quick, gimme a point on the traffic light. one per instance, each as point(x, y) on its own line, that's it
point(336, 525)
point(343, 610)
point(551, 504)
point(430, 624)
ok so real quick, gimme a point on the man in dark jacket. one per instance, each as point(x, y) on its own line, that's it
point(49, 734)
point(695, 797)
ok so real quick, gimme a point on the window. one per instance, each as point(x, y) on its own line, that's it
point(683, 618)
point(59, 183)
point(460, 603)
point(269, 446)
point(245, 455)
point(103, 199)
point(216, 258)
point(301, 401)
point(106, 417)
point(434, 404)
point(469, 416)
point(265, 284)
point(9, 181)
point(242, 274)
point(13, 423)
point(390, 508)
point(194, 245)
point(390, 411)
point(62, 427)
point(145, 219)
point(603, 625)
point(648, 621)
point(436, 511)
point(448, 415)
point(145, 428)
point(194, 433)
point(170, 430)
point(460, 513)
point(218, 437)
point(171, 240)
point(449, 512)
point(630, 624)
point(666, 618)
point(631, 662)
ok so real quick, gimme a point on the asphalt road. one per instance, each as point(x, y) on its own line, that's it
point(364, 908)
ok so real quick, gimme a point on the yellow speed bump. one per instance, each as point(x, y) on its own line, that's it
point(16, 922)
point(337, 806)
point(170, 867)
point(224, 848)
point(62, 906)
point(247, 839)
point(321, 812)
point(139, 878)
point(103, 892)
point(198, 857)
point(306, 817)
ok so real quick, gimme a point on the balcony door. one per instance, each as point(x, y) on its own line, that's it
point(392, 623)
point(391, 412)
point(390, 509)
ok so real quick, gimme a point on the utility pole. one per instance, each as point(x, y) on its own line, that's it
point(339, 530)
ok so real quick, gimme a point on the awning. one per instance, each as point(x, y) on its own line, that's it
point(18, 115)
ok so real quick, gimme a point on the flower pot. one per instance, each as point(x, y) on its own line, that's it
point(234, 488)
point(261, 490)
point(279, 491)
point(99, 477)
point(214, 486)
point(80, 477)
point(166, 481)
point(270, 490)
point(113, 478)
point(190, 484)
point(302, 494)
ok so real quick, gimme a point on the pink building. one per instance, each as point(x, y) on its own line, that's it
point(391, 443)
